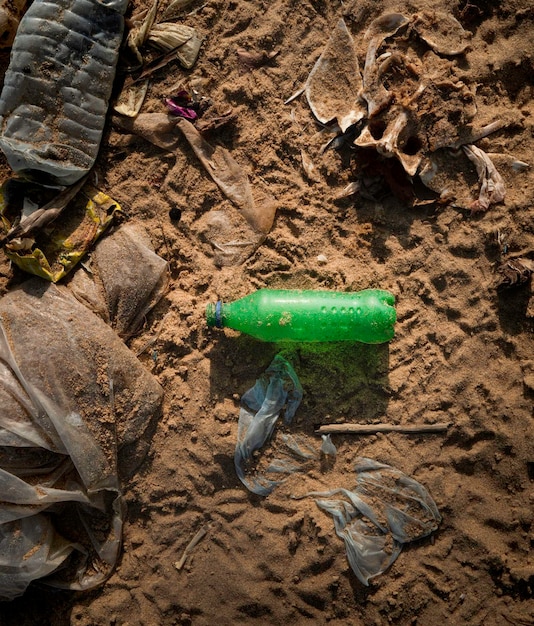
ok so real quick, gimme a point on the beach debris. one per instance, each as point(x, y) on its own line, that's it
point(386, 510)
point(131, 97)
point(405, 106)
point(256, 208)
point(515, 272)
point(156, 128)
point(122, 299)
point(173, 41)
point(397, 139)
point(261, 405)
point(442, 32)
point(334, 84)
point(183, 42)
point(40, 243)
point(138, 33)
point(373, 89)
point(55, 93)
point(250, 60)
point(372, 429)
point(327, 446)
point(183, 105)
point(75, 404)
point(492, 188)
point(199, 535)
point(310, 170)
point(233, 238)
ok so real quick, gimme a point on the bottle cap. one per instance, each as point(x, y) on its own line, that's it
point(214, 314)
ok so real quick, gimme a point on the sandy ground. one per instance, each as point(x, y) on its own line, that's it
point(462, 352)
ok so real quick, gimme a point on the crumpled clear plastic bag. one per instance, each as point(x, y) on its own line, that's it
point(73, 400)
point(384, 511)
point(122, 280)
point(261, 406)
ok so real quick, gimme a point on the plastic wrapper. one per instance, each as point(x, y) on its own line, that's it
point(53, 252)
point(261, 406)
point(56, 89)
point(74, 405)
point(121, 298)
point(384, 511)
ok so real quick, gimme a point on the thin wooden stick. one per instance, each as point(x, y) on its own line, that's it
point(189, 548)
point(371, 429)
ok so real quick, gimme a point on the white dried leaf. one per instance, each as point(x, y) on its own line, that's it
point(492, 188)
point(169, 36)
point(188, 53)
point(184, 39)
point(131, 98)
point(349, 190)
point(334, 83)
point(139, 35)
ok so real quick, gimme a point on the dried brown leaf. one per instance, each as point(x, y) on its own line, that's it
point(515, 272)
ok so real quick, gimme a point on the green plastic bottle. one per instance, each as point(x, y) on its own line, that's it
point(301, 315)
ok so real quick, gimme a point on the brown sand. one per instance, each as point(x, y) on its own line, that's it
point(462, 353)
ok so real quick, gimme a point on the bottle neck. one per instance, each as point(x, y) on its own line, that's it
point(214, 314)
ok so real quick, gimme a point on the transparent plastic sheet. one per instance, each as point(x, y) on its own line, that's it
point(72, 395)
point(122, 298)
point(384, 511)
point(261, 406)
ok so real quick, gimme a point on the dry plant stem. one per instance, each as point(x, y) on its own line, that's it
point(371, 429)
point(188, 549)
point(46, 214)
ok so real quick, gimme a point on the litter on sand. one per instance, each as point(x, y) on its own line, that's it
point(385, 510)
point(50, 240)
point(403, 106)
point(261, 406)
point(75, 405)
point(234, 236)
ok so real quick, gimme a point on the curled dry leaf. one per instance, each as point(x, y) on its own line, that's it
point(131, 98)
point(139, 34)
point(334, 83)
point(515, 272)
point(250, 60)
point(177, 37)
point(442, 32)
point(492, 188)
point(373, 91)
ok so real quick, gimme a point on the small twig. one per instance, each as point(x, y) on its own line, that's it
point(189, 548)
point(371, 429)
